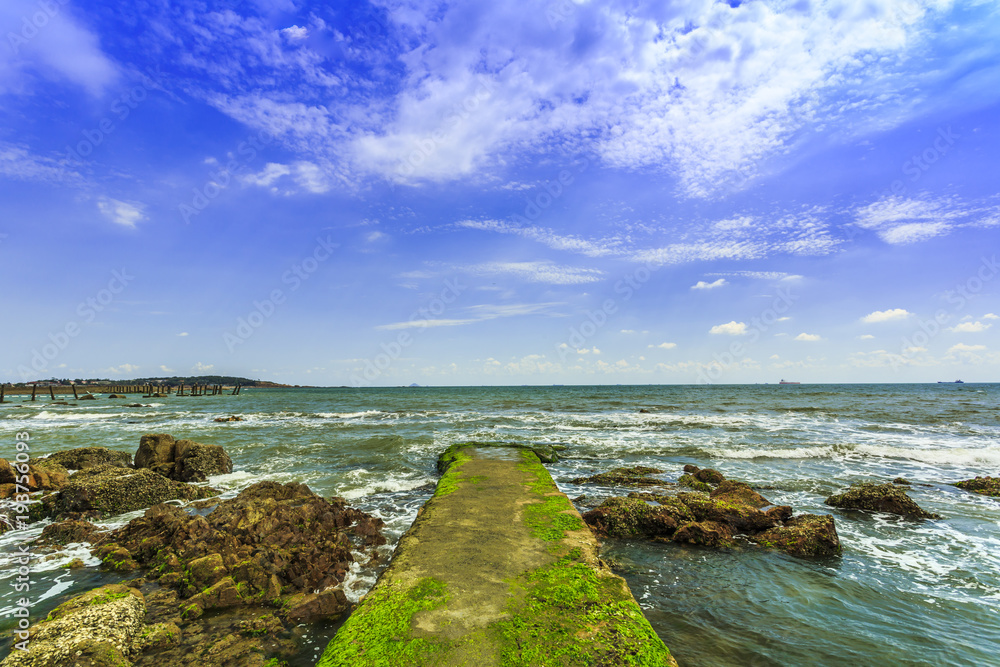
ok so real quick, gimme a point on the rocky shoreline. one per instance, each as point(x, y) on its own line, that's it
point(218, 583)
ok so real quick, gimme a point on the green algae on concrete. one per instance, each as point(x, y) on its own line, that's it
point(498, 569)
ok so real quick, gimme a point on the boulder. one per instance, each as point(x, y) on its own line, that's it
point(693, 482)
point(195, 461)
point(100, 628)
point(805, 535)
point(704, 533)
point(987, 486)
point(742, 518)
point(82, 458)
point(181, 460)
point(872, 497)
point(270, 539)
point(68, 532)
point(709, 476)
point(634, 476)
point(109, 490)
point(635, 517)
point(738, 492)
point(35, 474)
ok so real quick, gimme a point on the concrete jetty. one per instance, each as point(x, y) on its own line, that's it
point(498, 569)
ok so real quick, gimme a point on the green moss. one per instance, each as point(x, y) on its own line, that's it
point(108, 597)
point(697, 484)
point(454, 458)
point(546, 519)
point(565, 614)
point(378, 633)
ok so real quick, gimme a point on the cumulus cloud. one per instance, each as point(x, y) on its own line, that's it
point(701, 284)
point(866, 337)
point(121, 213)
point(733, 328)
point(808, 337)
point(202, 368)
point(960, 348)
point(890, 315)
point(970, 327)
point(664, 346)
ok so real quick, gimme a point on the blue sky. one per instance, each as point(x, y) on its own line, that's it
point(501, 193)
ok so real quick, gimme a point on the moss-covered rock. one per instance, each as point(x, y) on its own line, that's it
point(986, 486)
point(634, 517)
point(108, 490)
point(806, 535)
point(693, 482)
point(82, 458)
point(887, 498)
point(181, 460)
point(730, 490)
point(704, 533)
point(99, 628)
point(545, 452)
point(633, 476)
point(66, 532)
point(742, 518)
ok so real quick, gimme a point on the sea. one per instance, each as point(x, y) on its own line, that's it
point(904, 592)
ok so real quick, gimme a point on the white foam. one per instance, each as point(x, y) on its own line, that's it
point(358, 580)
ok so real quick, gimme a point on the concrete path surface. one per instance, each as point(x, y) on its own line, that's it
point(498, 569)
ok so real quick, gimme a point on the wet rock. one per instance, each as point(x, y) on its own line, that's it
point(634, 476)
point(68, 532)
point(634, 517)
point(82, 458)
point(987, 486)
point(709, 476)
point(691, 469)
point(110, 490)
point(780, 513)
point(738, 492)
point(742, 518)
point(310, 607)
point(99, 628)
point(692, 482)
point(269, 540)
point(901, 480)
point(181, 460)
point(87, 397)
point(704, 533)
point(879, 498)
point(806, 535)
point(35, 475)
point(75, 564)
point(231, 418)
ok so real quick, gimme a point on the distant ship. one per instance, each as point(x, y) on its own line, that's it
point(946, 382)
point(786, 382)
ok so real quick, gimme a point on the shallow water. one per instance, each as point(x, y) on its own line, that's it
point(903, 593)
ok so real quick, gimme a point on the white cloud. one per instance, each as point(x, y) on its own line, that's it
point(701, 284)
point(60, 48)
point(306, 175)
point(703, 90)
point(960, 348)
point(890, 315)
point(783, 319)
point(664, 346)
point(18, 163)
point(866, 337)
point(733, 328)
point(538, 272)
point(628, 331)
point(480, 313)
point(121, 213)
point(183, 333)
point(123, 369)
point(295, 33)
point(808, 337)
point(202, 368)
point(586, 351)
point(991, 316)
point(164, 369)
point(900, 220)
point(970, 327)
point(372, 237)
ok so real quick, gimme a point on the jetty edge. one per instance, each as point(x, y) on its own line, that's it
point(497, 569)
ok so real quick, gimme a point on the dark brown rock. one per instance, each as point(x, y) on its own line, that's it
point(742, 518)
point(805, 535)
point(110, 490)
point(82, 458)
point(709, 476)
point(739, 492)
point(873, 497)
point(68, 532)
point(181, 460)
point(986, 486)
point(634, 476)
point(704, 533)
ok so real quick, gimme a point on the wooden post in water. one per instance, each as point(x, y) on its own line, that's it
point(52, 393)
point(34, 388)
point(2, 387)
point(180, 390)
point(74, 392)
